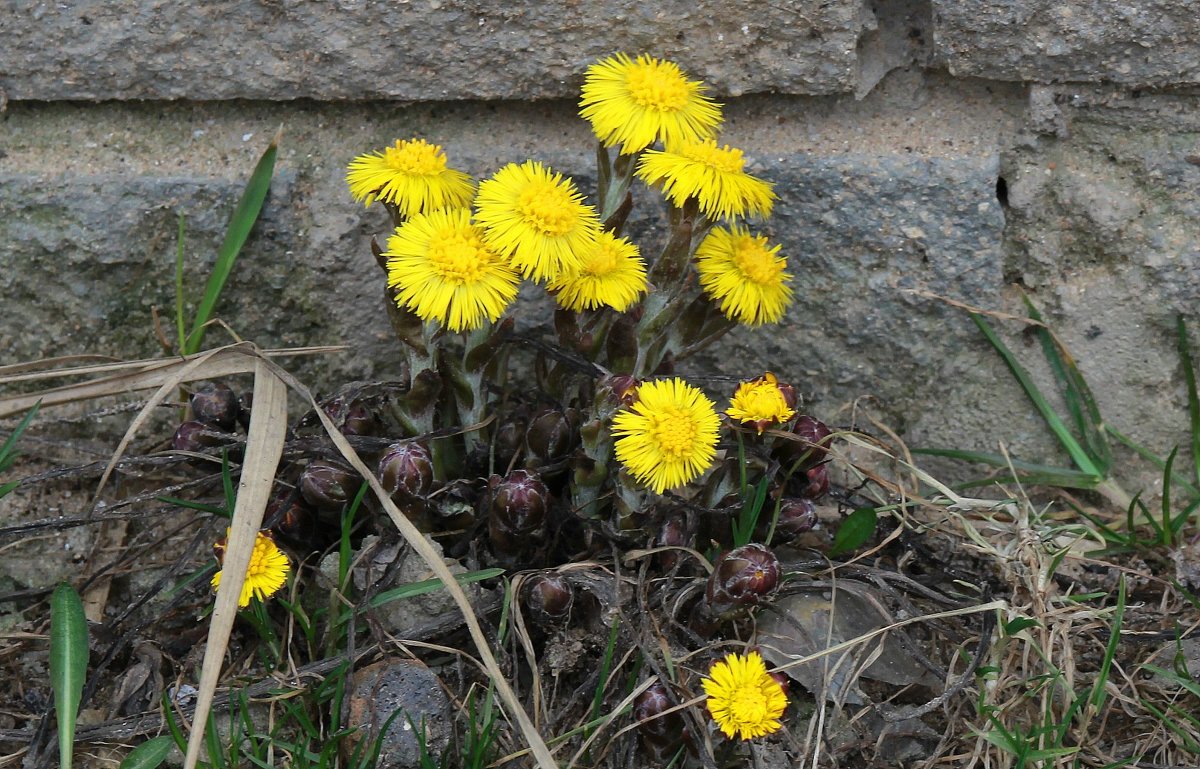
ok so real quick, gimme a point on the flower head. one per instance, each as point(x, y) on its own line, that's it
point(267, 572)
point(537, 219)
point(668, 436)
point(743, 698)
point(411, 175)
point(632, 103)
point(762, 402)
point(711, 174)
point(442, 270)
point(612, 274)
point(745, 275)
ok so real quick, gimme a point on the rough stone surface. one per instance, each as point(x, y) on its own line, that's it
point(411, 691)
point(420, 50)
point(1151, 43)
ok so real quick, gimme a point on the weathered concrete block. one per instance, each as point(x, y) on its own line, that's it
point(419, 51)
point(87, 258)
point(1153, 43)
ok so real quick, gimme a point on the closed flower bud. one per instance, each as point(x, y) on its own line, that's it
point(549, 597)
point(818, 482)
point(216, 404)
point(406, 468)
point(672, 533)
point(811, 448)
point(517, 514)
point(660, 734)
point(549, 437)
point(741, 578)
point(796, 516)
point(510, 437)
point(195, 436)
point(328, 485)
point(623, 388)
point(353, 418)
point(291, 518)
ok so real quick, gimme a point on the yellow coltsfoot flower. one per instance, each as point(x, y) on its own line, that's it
point(743, 698)
point(442, 270)
point(668, 436)
point(537, 219)
point(744, 275)
point(633, 103)
point(713, 175)
point(412, 175)
point(762, 402)
point(612, 275)
point(266, 574)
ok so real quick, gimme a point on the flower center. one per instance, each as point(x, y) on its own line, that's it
point(748, 705)
point(727, 159)
point(675, 433)
point(258, 560)
point(755, 262)
point(415, 158)
point(548, 208)
point(458, 257)
point(764, 399)
point(601, 262)
point(657, 87)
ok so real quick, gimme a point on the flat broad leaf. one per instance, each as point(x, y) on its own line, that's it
point(858, 527)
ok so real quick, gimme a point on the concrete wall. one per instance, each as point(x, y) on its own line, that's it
point(951, 147)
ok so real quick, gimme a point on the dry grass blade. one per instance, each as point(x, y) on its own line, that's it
point(139, 375)
point(264, 446)
point(434, 560)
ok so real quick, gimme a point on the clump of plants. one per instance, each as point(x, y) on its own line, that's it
point(531, 455)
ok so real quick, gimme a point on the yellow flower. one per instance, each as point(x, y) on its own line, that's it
point(612, 275)
point(711, 174)
point(442, 270)
point(668, 436)
point(267, 572)
point(412, 175)
point(537, 219)
point(743, 698)
point(633, 103)
point(745, 275)
point(762, 402)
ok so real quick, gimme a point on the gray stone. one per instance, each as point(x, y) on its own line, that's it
point(1152, 43)
point(403, 695)
point(427, 51)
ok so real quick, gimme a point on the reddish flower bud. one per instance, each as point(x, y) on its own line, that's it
point(811, 448)
point(328, 485)
point(289, 516)
point(549, 597)
point(517, 514)
point(353, 418)
point(672, 533)
point(796, 516)
point(195, 436)
point(406, 468)
point(818, 482)
point(660, 734)
point(741, 578)
point(215, 403)
point(623, 387)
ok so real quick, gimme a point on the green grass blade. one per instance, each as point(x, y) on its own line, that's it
point(1078, 396)
point(1053, 421)
point(244, 217)
point(150, 754)
point(414, 589)
point(8, 452)
point(1152, 458)
point(68, 664)
point(1031, 472)
point(1189, 376)
point(1168, 532)
point(1096, 700)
